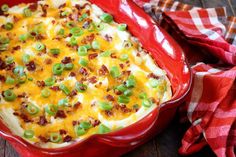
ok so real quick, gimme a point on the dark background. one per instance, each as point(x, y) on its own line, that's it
point(167, 143)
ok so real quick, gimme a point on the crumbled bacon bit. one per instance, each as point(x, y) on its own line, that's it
point(127, 72)
point(25, 118)
point(76, 105)
point(83, 71)
point(113, 55)
point(2, 78)
point(42, 121)
point(33, 7)
point(92, 56)
point(44, 9)
point(43, 139)
point(40, 83)
point(88, 39)
point(124, 109)
point(16, 113)
point(33, 34)
point(74, 123)
point(108, 38)
point(108, 113)
point(2, 64)
point(55, 88)
point(79, 7)
point(110, 97)
point(94, 122)
point(117, 92)
point(10, 66)
point(103, 70)
point(66, 60)
point(31, 66)
point(22, 95)
point(48, 61)
point(152, 75)
point(72, 74)
point(86, 24)
point(39, 37)
point(62, 6)
point(92, 79)
point(60, 114)
point(155, 101)
point(73, 93)
point(67, 138)
point(16, 47)
point(62, 131)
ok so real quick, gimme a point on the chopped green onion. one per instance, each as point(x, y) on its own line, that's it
point(39, 46)
point(64, 89)
point(55, 137)
point(28, 134)
point(153, 82)
point(105, 106)
point(10, 80)
point(142, 95)
point(100, 26)
point(50, 81)
point(102, 129)
point(51, 109)
point(105, 54)
point(128, 92)
point(8, 26)
point(95, 45)
point(115, 72)
point(73, 41)
point(83, 62)
point(57, 69)
point(69, 66)
point(4, 40)
point(123, 99)
point(27, 12)
point(22, 78)
point(18, 70)
point(45, 93)
point(88, 46)
point(63, 102)
point(83, 16)
point(9, 60)
point(79, 131)
point(76, 31)
point(106, 18)
point(55, 51)
point(4, 7)
point(85, 125)
point(61, 32)
point(130, 83)
point(146, 103)
point(82, 51)
point(91, 27)
point(80, 87)
point(26, 58)
point(135, 106)
point(122, 27)
point(64, 13)
point(30, 79)
point(121, 88)
point(23, 37)
point(124, 57)
point(32, 109)
point(9, 95)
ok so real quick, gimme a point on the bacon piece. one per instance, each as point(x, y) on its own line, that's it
point(62, 6)
point(124, 109)
point(86, 24)
point(22, 95)
point(44, 9)
point(10, 66)
point(33, 7)
point(25, 118)
point(60, 114)
point(74, 123)
point(48, 61)
point(55, 88)
point(62, 131)
point(73, 93)
point(88, 39)
point(108, 113)
point(31, 66)
point(43, 139)
point(77, 105)
point(2, 64)
point(152, 75)
point(72, 74)
point(108, 38)
point(2, 78)
point(42, 121)
point(92, 79)
point(117, 92)
point(66, 60)
point(83, 71)
point(110, 97)
point(16, 47)
point(40, 83)
point(68, 138)
point(121, 66)
point(92, 56)
point(103, 70)
point(113, 55)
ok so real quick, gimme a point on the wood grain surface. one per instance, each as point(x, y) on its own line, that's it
point(167, 143)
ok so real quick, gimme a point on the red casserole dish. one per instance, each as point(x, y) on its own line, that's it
point(169, 57)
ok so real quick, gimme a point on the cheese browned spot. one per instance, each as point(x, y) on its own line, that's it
point(66, 73)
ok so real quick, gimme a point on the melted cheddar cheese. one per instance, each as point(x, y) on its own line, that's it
point(105, 80)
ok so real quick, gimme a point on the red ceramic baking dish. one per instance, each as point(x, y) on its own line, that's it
point(169, 57)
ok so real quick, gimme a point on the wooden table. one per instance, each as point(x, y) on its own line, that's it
point(167, 143)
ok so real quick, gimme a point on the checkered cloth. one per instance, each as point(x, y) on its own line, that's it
point(209, 36)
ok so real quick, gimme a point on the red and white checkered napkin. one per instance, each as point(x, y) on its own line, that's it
point(206, 35)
